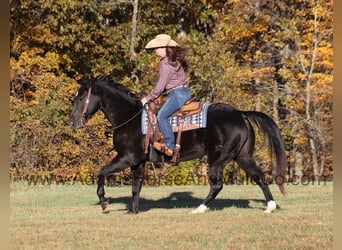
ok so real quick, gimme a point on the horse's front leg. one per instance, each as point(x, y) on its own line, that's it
point(138, 178)
point(116, 165)
point(101, 192)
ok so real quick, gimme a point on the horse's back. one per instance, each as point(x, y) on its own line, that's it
point(226, 131)
point(226, 117)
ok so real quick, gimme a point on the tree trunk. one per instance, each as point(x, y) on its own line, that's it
point(134, 28)
point(134, 76)
point(314, 160)
point(298, 166)
point(257, 97)
point(275, 102)
point(308, 71)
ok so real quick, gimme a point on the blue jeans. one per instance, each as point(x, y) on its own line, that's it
point(175, 101)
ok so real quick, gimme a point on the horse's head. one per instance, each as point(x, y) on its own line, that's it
point(85, 104)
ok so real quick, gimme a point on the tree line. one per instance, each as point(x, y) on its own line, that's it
point(264, 55)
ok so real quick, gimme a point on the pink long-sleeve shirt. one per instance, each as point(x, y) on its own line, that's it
point(169, 78)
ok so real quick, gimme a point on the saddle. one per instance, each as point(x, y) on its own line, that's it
point(191, 107)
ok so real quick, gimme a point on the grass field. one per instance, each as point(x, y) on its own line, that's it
point(68, 217)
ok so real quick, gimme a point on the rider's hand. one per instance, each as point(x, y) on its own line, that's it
point(143, 101)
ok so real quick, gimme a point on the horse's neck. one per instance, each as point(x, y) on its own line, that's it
point(119, 109)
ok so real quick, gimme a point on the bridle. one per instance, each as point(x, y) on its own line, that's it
point(85, 109)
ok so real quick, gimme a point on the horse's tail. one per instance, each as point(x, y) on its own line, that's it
point(271, 132)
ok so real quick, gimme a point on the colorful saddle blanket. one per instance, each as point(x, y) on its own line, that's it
point(191, 122)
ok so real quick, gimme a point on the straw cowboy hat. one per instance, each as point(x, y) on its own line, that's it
point(161, 40)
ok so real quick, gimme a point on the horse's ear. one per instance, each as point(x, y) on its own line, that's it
point(85, 81)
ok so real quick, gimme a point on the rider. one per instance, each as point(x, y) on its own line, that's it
point(172, 79)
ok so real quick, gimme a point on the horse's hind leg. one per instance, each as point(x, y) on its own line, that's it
point(247, 163)
point(216, 185)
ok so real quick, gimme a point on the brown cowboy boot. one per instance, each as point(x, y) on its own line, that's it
point(163, 148)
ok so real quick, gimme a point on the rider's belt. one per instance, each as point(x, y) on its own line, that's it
point(177, 87)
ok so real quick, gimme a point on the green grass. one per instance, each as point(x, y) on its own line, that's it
point(68, 217)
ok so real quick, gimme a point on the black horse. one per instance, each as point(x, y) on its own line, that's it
point(229, 135)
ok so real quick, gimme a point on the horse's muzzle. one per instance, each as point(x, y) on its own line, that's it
point(77, 125)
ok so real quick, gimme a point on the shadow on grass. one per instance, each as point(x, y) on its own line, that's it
point(182, 200)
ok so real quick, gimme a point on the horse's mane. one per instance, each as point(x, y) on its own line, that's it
point(111, 85)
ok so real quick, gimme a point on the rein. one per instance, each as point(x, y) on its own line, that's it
point(85, 109)
point(124, 123)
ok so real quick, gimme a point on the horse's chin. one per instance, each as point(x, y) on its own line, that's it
point(77, 125)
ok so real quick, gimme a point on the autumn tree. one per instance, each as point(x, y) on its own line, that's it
point(272, 56)
point(277, 39)
point(309, 77)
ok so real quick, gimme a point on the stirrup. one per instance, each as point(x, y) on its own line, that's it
point(163, 148)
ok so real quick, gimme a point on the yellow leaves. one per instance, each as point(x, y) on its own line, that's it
point(301, 77)
point(285, 74)
point(41, 33)
point(325, 56)
point(39, 71)
point(51, 60)
point(33, 103)
point(263, 73)
point(321, 89)
point(33, 64)
point(300, 140)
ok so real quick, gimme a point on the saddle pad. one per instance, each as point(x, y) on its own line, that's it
point(194, 121)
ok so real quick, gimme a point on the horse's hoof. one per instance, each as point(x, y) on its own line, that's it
point(106, 211)
point(271, 205)
point(104, 205)
point(200, 209)
point(133, 212)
